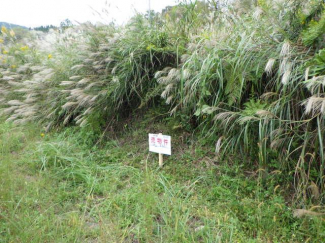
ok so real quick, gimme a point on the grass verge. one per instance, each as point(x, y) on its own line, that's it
point(61, 188)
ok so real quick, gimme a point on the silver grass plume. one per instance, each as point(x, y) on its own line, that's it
point(315, 105)
point(269, 66)
point(286, 49)
point(286, 77)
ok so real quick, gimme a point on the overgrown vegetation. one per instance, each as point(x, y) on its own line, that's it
point(246, 77)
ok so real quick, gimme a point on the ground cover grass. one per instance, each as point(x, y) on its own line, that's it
point(67, 187)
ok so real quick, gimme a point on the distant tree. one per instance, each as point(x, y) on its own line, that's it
point(219, 4)
point(65, 24)
point(243, 6)
point(45, 28)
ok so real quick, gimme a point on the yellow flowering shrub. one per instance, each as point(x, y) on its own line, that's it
point(24, 48)
point(4, 30)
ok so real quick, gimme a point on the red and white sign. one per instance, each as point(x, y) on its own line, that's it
point(160, 144)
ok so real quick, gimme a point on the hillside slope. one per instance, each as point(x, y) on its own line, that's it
point(9, 25)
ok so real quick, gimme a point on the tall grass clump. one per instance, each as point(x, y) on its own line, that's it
point(93, 74)
point(254, 83)
point(30, 74)
point(116, 74)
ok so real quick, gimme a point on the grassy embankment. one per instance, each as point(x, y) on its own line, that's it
point(60, 187)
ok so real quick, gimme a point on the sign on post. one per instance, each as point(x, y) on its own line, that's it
point(160, 144)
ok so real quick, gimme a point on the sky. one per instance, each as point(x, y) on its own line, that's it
point(33, 13)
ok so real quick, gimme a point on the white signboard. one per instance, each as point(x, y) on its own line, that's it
point(160, 144)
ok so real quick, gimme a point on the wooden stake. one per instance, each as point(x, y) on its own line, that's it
point(161, 158)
